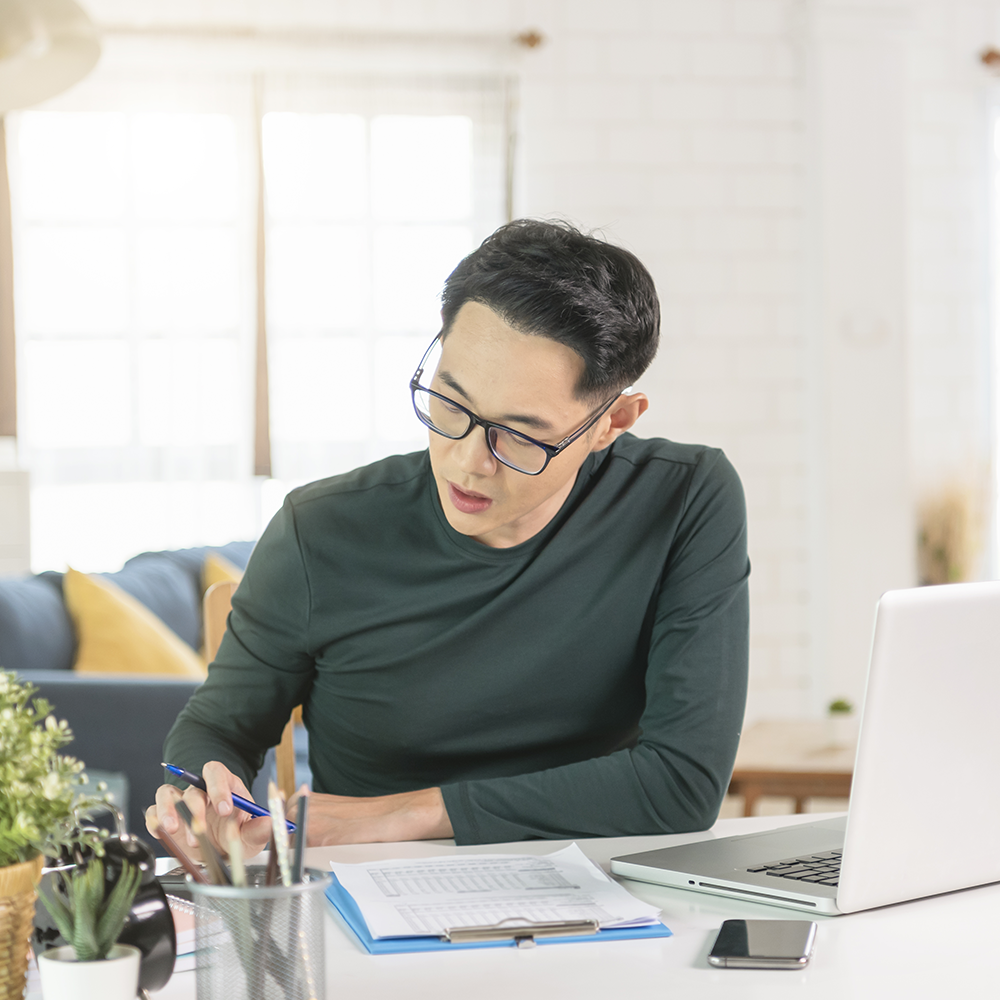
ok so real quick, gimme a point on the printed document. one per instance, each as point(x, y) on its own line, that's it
point(429, 895)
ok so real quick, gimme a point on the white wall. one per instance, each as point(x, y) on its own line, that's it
point(679, 129)
point(952, 103)
point(727, 142)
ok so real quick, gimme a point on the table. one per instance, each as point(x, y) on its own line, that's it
point(931, 948)
point(790, 757)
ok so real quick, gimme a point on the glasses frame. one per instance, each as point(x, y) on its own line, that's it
point(551, 450)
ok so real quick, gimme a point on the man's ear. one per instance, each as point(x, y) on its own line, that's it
point(623, 415)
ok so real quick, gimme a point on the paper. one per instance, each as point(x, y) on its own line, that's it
point(426, 896)
point(184, 932)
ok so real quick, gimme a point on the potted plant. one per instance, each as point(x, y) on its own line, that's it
point(39, 804)
point(843, 728)
point(92, 966)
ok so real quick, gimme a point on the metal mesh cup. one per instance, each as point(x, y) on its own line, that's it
point(260, 942)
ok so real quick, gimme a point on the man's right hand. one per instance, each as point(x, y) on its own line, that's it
point(215, 808)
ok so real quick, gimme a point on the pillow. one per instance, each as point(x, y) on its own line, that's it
point(172, 594)
point(192, 560)
point(117, 634)
point(218, 569)
point(35, 631)
point(238, 553)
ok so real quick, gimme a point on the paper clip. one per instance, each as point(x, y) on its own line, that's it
point(520, 930)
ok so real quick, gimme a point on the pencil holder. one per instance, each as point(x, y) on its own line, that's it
point(261, 942)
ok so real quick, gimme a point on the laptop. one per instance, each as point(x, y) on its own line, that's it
point(924, 812)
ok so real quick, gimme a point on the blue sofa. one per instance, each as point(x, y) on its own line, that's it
point(119, 721)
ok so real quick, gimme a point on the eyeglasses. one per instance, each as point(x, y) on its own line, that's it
point(515, 450)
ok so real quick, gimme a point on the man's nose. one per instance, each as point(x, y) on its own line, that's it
point(473, 453)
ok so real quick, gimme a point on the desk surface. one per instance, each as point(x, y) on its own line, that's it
point(933, 948)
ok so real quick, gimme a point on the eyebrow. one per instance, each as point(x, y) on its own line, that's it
point(537, 423)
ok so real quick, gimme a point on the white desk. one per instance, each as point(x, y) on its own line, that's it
point(934, 948)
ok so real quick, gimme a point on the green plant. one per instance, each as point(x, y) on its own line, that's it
point(840, 707)
point(88, 921)
point(40, 797)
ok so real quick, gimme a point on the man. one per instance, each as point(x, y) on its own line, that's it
point(536, 628)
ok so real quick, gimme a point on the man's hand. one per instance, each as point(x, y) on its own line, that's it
point(216, 809)
point(344, 819)
point(333, 819)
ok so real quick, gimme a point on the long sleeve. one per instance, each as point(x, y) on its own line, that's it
point(588, 682)
point(263, 668)
point(675, 776)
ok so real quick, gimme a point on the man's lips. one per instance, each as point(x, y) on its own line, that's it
point(468, 503)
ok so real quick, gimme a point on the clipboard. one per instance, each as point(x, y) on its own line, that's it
point(499, 937)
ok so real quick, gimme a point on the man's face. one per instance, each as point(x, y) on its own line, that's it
point(525, 383)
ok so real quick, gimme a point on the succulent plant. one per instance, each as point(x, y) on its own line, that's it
point(90, 922)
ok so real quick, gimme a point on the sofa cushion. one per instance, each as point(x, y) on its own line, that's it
point(35, 629)
point(192, 560)
point(238, 553)
point(117, 634)
point(218, 569)
point(170, 583)
point(166, 588)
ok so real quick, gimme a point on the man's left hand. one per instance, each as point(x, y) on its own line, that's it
point(345, 819)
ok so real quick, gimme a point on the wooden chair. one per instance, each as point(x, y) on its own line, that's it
point(216, 606)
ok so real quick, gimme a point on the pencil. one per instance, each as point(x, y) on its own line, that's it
point(236, 865)
point(172, 846)
point(213, 861)
point(277, 806)
point(301, 831)
point(272, 862)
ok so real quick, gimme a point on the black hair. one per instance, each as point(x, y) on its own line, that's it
point(548, 279)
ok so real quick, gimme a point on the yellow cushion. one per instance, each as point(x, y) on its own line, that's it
point(218, 569)
point(118, 635)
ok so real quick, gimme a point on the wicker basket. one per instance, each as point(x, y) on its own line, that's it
point(17, 913)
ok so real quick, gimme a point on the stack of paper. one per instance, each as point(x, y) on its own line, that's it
point(184, 931)
point(385, 901)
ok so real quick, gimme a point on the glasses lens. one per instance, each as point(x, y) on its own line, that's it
point(440, 415)
point(516, 451)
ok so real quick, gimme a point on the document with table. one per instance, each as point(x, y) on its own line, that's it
point(486, 900)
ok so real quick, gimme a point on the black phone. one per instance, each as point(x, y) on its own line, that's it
point(763, 944)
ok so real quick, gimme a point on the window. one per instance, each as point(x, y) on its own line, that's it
point(365, 218)
point(135, 229)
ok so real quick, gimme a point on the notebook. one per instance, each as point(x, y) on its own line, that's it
point(923, 812)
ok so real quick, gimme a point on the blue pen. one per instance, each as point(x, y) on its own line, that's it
point(241, 803)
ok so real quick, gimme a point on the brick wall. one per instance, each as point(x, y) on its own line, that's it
point(678, 129)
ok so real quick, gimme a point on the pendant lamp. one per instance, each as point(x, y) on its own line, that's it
point(45, 47)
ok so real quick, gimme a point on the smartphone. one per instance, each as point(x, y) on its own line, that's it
point(763, 944)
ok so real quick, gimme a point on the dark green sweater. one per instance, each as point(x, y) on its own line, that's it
point(588, 682)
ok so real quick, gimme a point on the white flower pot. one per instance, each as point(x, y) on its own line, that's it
point(115, 978)
point(842, 730)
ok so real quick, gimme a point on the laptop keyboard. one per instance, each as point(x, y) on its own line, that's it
point(822, 868)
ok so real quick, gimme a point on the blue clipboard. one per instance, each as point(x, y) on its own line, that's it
point(343, 902)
